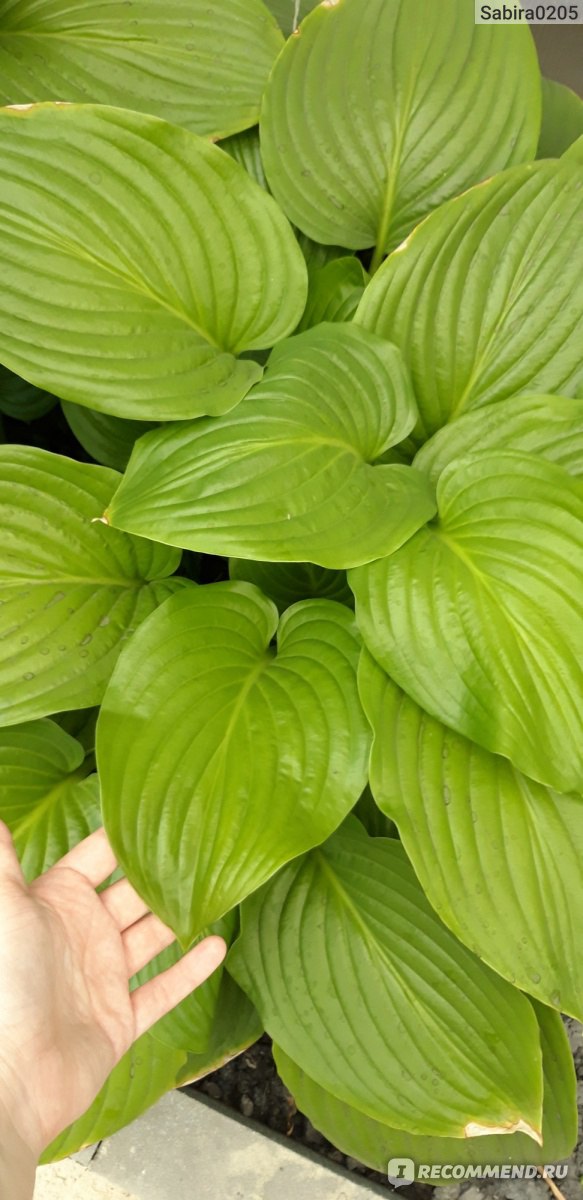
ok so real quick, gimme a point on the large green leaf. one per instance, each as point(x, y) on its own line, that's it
point(219, 759)
point(548, 425)
point(375, 1143)
point(288, 476)
point(479, 617)
point(562, 121)
point(137, 261)
point(70, 590)
point(485, 299)
point(374, 115)
point(200, 65)
point(21, 400)
point(48, 799)
point(499, 857)
point(286, 583)
point(360, 983)
point(109, 440)
point(146, 1072)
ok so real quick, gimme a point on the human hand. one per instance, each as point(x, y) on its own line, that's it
point(66, 1014)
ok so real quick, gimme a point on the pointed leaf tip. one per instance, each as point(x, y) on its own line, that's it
point(474, 1129)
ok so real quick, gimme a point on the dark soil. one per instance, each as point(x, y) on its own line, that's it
point(250, 1085)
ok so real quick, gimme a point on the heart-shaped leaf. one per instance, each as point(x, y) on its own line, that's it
point(402, 128)
point(499, 857)
point(109, 440)
point(479, 618)
point(485, 299)
point(220, 760)
point(48, 799)
point(551, 426)
point(375, 1143)
point(562, 121)
point(361, 984)
point(199, 65)
point(70, 590)
point(288, 476)
point(137, 317)
point(286, 583)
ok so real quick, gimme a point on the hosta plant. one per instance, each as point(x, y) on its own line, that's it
point(291, 327)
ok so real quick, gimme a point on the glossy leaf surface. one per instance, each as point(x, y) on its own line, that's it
point(201, 66)
point(361, 984)
point(499, 856)
point(401, 130)
point(551, 426)
point(485, 299)
point(479, 618)
point(374, 1143)
point(288, 476)
point(71, 590)
point(138, 260)
point(48, 799)
point(219, 759)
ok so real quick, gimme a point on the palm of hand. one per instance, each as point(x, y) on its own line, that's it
point(66, 956)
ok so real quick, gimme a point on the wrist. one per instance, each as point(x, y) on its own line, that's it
point(18, 1159)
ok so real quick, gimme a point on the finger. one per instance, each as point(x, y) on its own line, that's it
point(123, 903)
point(154, 999)
point(144, 940)
point(9, 865)
point(93, 858)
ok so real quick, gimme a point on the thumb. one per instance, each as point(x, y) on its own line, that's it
point(10, 868)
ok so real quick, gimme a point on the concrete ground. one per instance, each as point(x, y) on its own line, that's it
point(186, 1149)
point(71, 1181)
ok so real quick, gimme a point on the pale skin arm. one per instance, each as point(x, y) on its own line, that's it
point(66, 1013)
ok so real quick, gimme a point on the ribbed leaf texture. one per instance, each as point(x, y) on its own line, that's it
point(199, 65)
point(479, 617)
point(121, 236)
point(499, 857)
point(71, 590)
point(361, 984)
point(219, 759)
point(289, 476)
